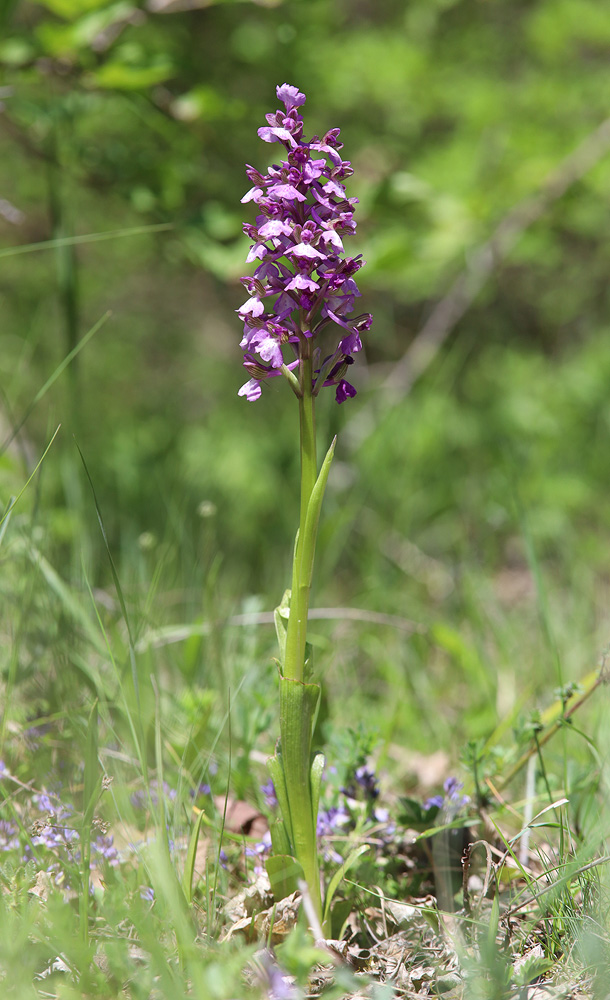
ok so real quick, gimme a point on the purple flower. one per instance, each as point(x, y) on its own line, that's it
point(140, 799)
point(9, 836)
point(303, 283)
point(290, 96)
point(268, 790)
point(452, 799)
point(54, 832)
point(204, 789)
point(279, 986)
point(259, 851)
point(435, 801)
point(103, 849)
point(365, 785)
point(453, 789)
point(367, 780)
point(331, 820)
point(344, 391)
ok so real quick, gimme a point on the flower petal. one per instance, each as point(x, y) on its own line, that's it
point(344, 391)
point(301, 282)
point(268, 134)
point(253, 307)
point(291, 97)
point(274, 227)
point(251, 390)
point(306, 250)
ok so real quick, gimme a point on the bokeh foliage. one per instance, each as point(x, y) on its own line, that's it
point(476, 503)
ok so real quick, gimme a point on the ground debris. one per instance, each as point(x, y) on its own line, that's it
point(254, 914)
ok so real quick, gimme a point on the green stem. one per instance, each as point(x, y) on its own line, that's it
point(296, 724)
point(296, 634)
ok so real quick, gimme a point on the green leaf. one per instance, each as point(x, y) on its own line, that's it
point(531, 968)
point(275, 766)
point(63, 39)
point(16, 52)
point(70, 10)
point(313, 516)
point(189, 864)
point(280, 616)
point(284, 873)
point(317, 769)
point(122, 76)
point(337, 878)
point(413, 814)
point(298, 703)
point(207, 103)
point(308, 663)
point(279, 838)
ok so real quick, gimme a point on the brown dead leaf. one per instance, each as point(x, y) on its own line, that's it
point(42, 886)
point(251, 900)
point(256, 924)
point(241, 817)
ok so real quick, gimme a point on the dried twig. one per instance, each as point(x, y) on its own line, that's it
point(555, 717)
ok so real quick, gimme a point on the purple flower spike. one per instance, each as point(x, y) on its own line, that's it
point(303, 284)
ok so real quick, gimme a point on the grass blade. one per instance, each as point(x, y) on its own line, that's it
point(16, 499)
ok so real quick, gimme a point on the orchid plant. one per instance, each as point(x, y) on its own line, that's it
point(302, 291)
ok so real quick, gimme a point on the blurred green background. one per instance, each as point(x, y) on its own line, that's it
point(470, 488)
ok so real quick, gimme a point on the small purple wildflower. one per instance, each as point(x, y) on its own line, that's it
point(147, 894)
point(434, 802)
point(367, 780)
point(382, 815)
point(279, 986)
point(259, 850)
point(453, 788)
point(103, 850)
point(268, 790)
point(55, 833)
point(452, 799)
point(34, 733)
point(9, 836)
point(364, 786)
point(204, 789)
point(140, 799)
point(331, 820)
point(297, 242)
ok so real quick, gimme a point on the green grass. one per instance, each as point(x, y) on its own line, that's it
point(126, 667)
